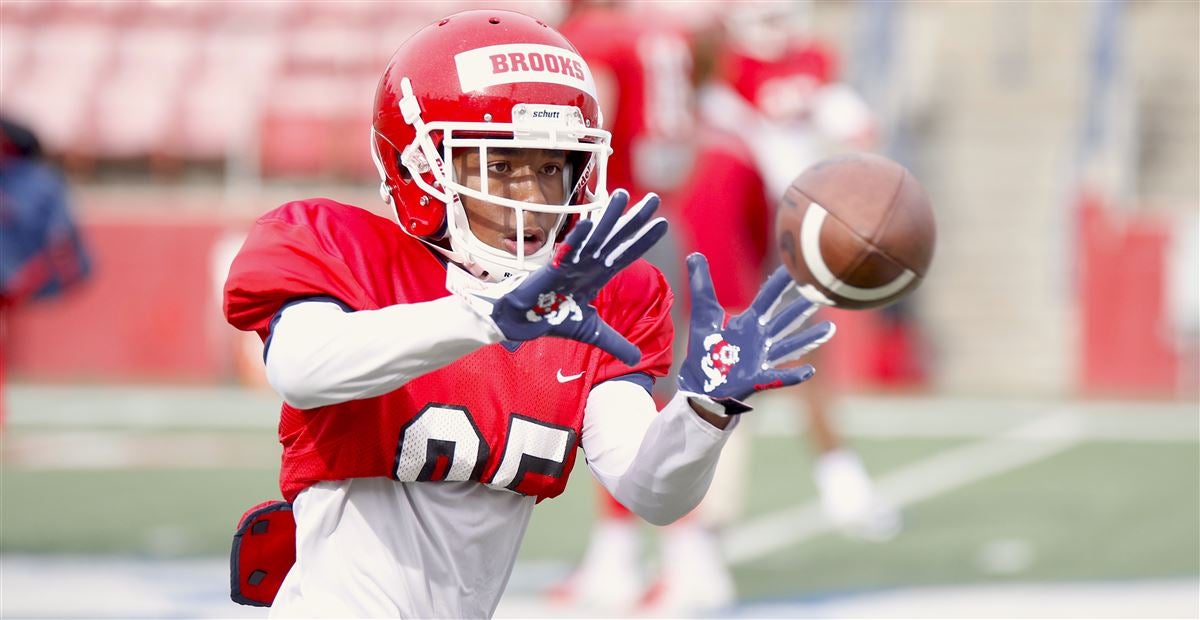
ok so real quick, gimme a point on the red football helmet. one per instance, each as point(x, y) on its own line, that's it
point(772, 60)
point(782, 89)
point(484, 80)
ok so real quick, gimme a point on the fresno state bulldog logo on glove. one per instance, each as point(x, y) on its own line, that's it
point(556, 299)
point(554, 308)
point(718, 361)
point(730, 358)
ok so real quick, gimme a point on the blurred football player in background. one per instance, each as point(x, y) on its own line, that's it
point(642, 63)
point(41, 252)
point(439, 371)
point(770, 105)
point(774, 106)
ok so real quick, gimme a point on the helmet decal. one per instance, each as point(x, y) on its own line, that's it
point(494, 65)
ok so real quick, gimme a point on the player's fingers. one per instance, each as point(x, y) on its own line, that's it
point(778, 378)
point(706, 309)
point(771, 292)
point(636, 246)
point(607, 224)
point(630, 223)
point(790, 318)
point(525, 294)
point(569, 248)
point(793, 348)
point(602, 335)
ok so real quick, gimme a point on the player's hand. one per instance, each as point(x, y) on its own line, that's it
point(728, 359)
point(556, 299)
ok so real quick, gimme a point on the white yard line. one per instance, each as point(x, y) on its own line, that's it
point(127, 430)
point(960, 418)
point(125, 587)
point(45, 407)
point(942, 473)
point(73, 450)
point(144, 407)
point(1160, 598)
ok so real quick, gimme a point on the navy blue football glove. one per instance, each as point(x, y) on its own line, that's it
point(728, 360)
point(555, 300)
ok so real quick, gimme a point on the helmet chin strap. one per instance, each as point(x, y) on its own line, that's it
point(472, 264)
point(487, 276)
point(487, 262)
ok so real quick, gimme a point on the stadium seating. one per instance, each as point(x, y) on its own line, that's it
point(283, 86)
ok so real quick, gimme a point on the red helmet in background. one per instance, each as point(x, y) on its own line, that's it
point(483, 80)
point(771, 58)
point(780, 88)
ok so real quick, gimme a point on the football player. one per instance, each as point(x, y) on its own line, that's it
point(439, 369)
point(641, 60)
point(774, 107)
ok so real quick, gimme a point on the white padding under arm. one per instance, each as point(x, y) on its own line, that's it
point(658, 465)
point(320, 354)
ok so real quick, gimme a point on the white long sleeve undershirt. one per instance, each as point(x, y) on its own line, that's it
point(320, 354)
point(659, 465)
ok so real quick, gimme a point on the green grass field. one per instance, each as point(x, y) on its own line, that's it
point(1094, 508)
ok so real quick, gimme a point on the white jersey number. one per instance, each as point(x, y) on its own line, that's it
point(442, 442)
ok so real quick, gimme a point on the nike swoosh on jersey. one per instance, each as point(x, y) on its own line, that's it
point(567, 378)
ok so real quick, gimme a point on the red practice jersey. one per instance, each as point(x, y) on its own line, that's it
point(727, 216)
point(508, 415)
point(650, 114)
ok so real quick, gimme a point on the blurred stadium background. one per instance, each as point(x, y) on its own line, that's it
point(1046, 450)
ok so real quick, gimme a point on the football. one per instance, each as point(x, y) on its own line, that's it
point(856, 231)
